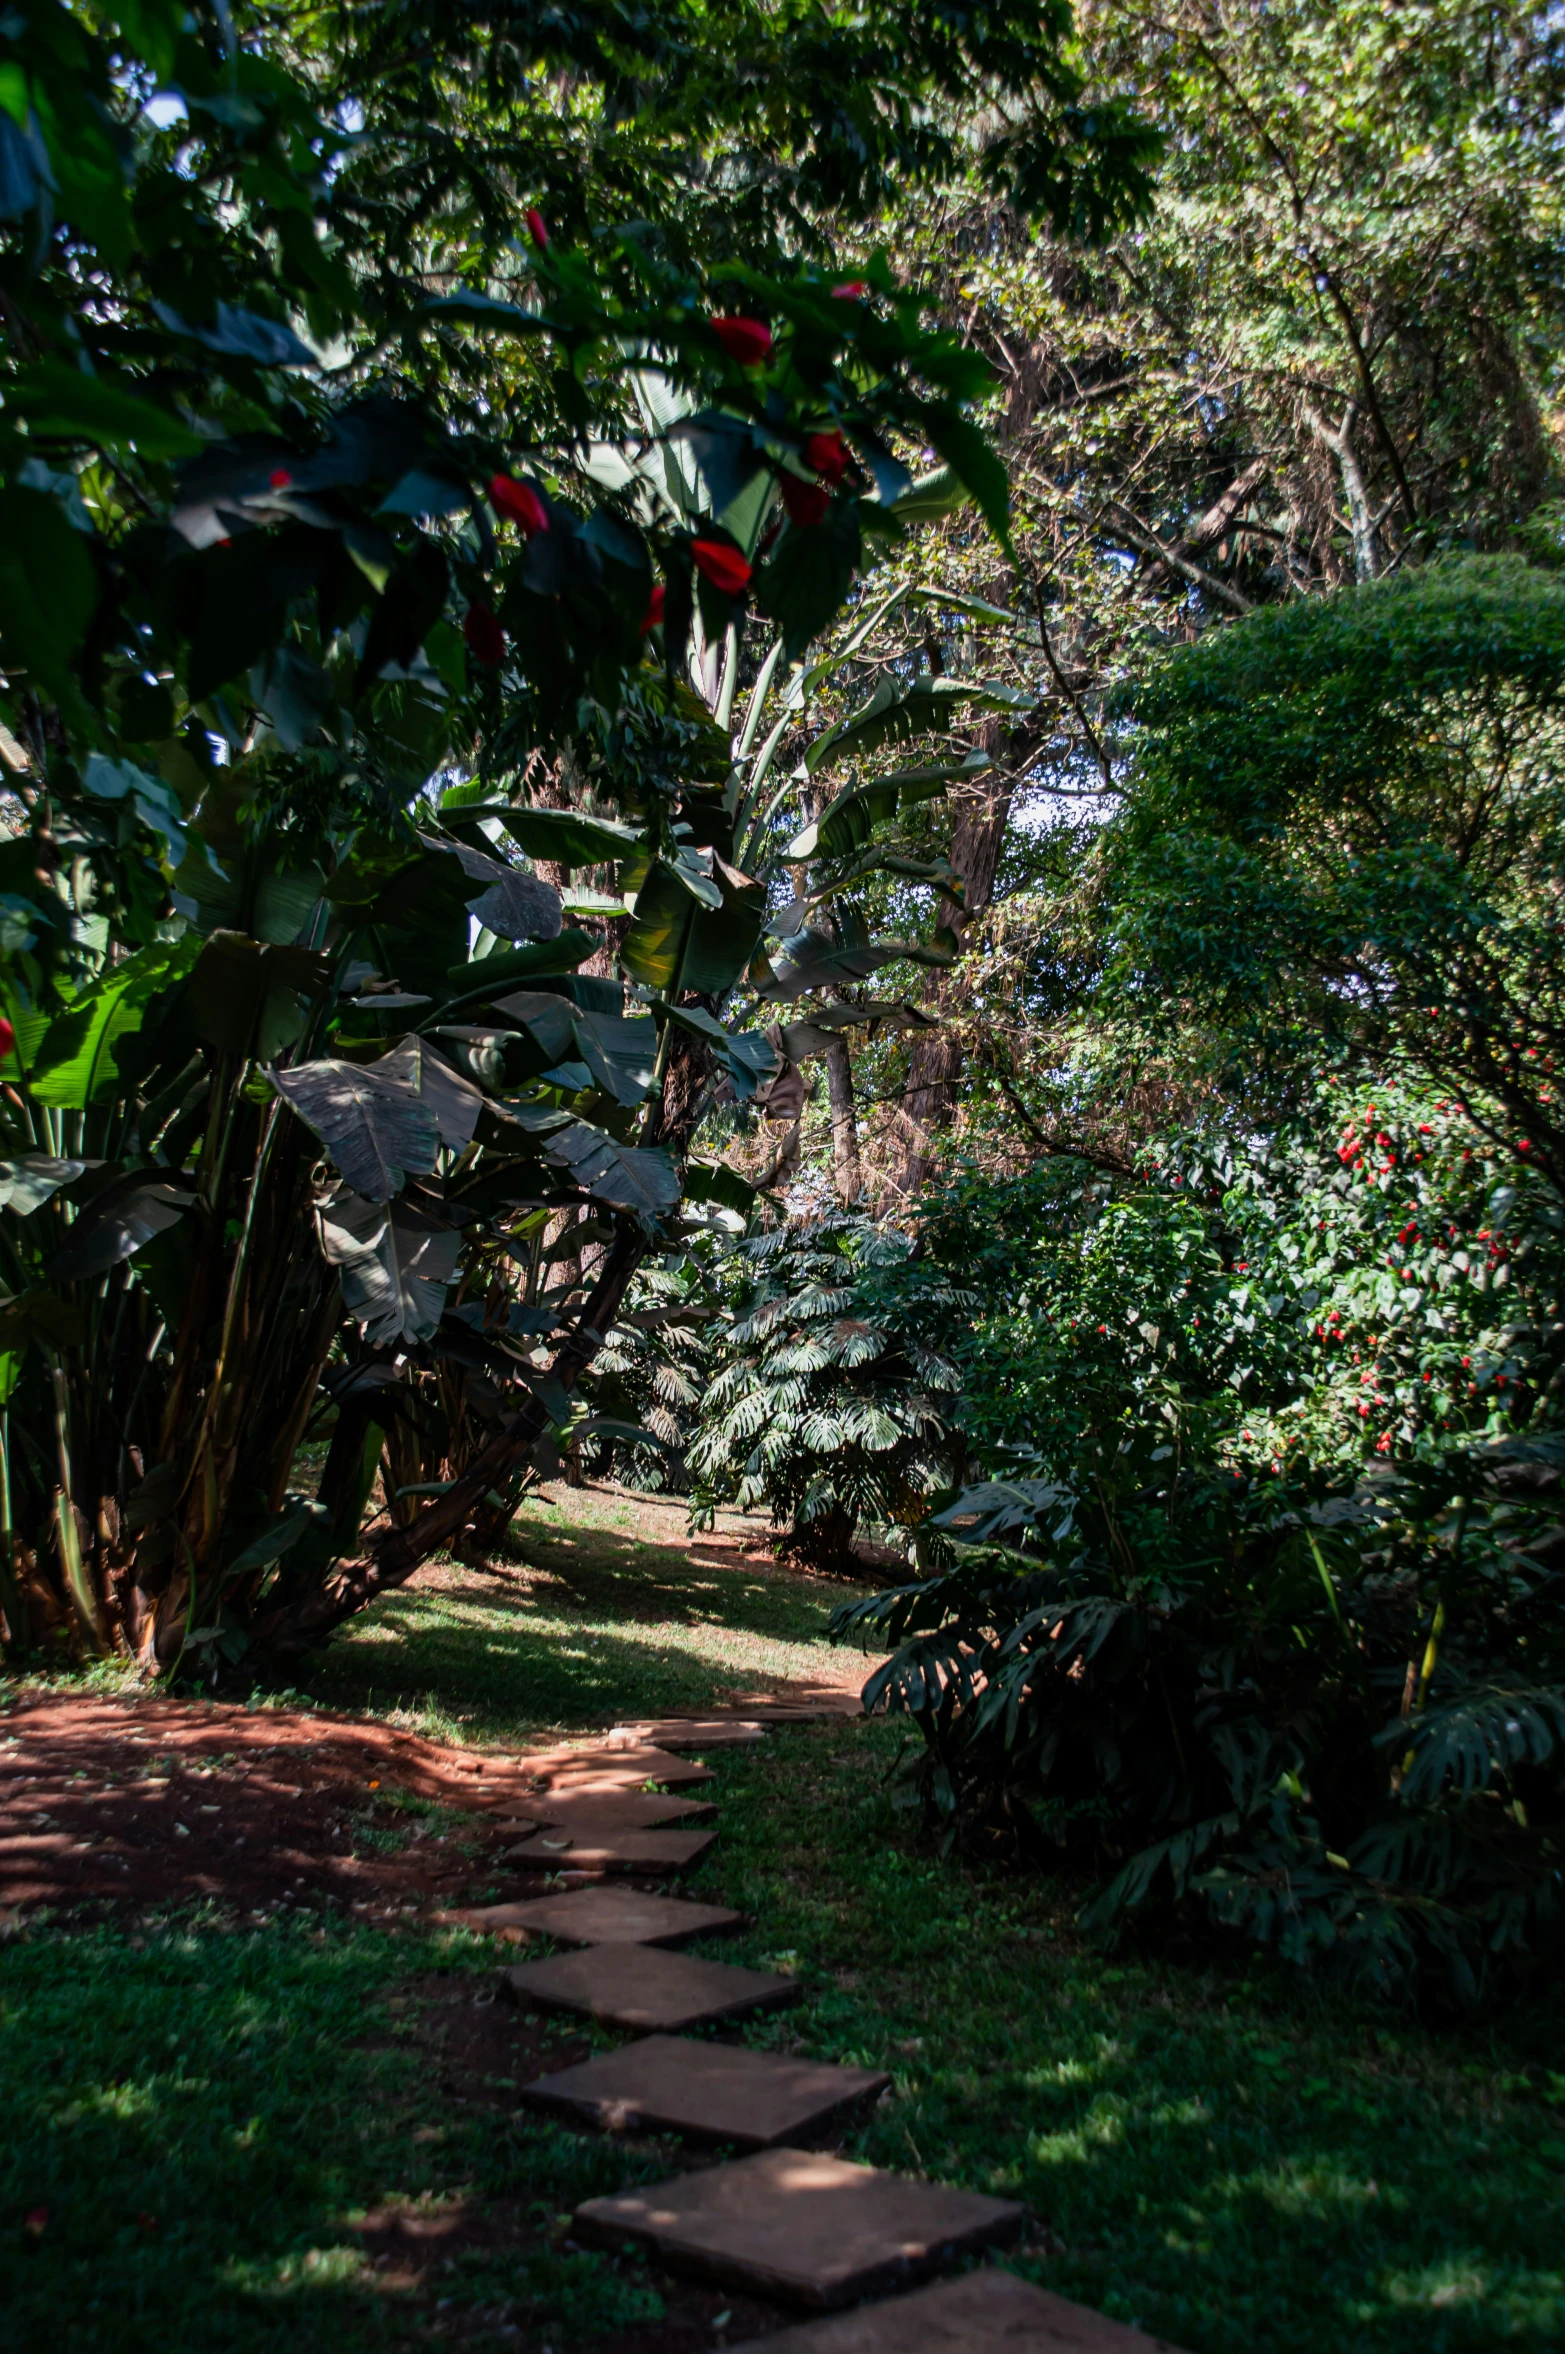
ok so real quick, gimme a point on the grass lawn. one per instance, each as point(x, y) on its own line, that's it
point(220, 2123)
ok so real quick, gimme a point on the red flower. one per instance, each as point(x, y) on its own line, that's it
point(520, 503)
point(35, 2220)
point(7, 1039)
point(851, 290)
point(722, 565)
point(535, 228)
point(828, 454)
point(749, 341)
point(484, 634)
point(279, 478)
point(654, 619)
point(806, 502)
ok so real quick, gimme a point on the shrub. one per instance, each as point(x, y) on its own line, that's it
point(830, 1402)
point(1218, 1634)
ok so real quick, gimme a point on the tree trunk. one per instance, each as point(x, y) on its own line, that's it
point(935, 1063)
point(297, 1625)
point(847, 1169)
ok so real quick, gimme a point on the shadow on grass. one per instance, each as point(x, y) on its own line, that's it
point(585, 1625)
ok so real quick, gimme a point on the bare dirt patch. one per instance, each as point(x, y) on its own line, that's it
point(154, 1802)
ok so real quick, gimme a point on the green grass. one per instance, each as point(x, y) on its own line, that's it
point(605, 1615)
point(1237, 2164)
point(1242, 2165)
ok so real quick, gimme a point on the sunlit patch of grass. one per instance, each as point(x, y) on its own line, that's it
point(607, 1616)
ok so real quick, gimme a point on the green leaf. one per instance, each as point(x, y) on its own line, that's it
point(394, 1268)
point(77, 1061)
point(748, 1056)
point(714, 1181)
point(812, 963)
point(117, 1223)
point(48, 591)
point(155, 802)
point(26, 1184)
point(900, 708)
point(451, 1097)
point(566, 837)
point(244, 996)
point(974, 461)
point(483, 310)
point(379, 1131)
point(482, 976)
point(805, 583)
point(61, 401)
point(631, 1177)
point(931, 497)
point(676, 944)
point(852, 818)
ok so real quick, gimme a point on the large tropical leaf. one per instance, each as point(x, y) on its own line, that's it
point(77, 1060)
point(116, 1224)
point(676, 944)
point(900, 708)
point(245, 994)
point(632, 1177)
point(27, 1183)
point(748, 1056)
point(616, 1055)
point(378, 1130)
point(566, 837)
point(513, 906)
point(810, 961)
point(852, 818)
point(394, 1268)
point(453, 1099)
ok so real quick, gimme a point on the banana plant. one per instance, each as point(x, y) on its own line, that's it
point(373, 904)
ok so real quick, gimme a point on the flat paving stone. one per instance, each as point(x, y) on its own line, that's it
point(802, 2227)
point(646, 1990)
point(688, 1733)
point(713, 2092)
point(607, 1915)
point(617, 1810)
point(610, 1851)
point(626, 1766)
point(982, 2313)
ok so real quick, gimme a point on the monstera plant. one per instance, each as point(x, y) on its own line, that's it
point(392, 804)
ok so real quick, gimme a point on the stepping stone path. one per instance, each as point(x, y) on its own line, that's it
point(798, 2225)
point(982, 2313)
point(649, 1990)
point(610, 1850)
point(720, 2092)
point(786, 2222)
point(620, 1810)
point(608, 1916)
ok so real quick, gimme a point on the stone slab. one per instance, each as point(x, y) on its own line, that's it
point(607, 1915)
point(647, 1990)
point(714, 2092)
point(625, 1767)
point(982, 2313)
point(802, 2227)
point(617, 1810)
point(687, 1733)
point(613, 1851)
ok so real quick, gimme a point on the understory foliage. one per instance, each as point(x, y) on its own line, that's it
point(1260, 1611)
point(827, 1400)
